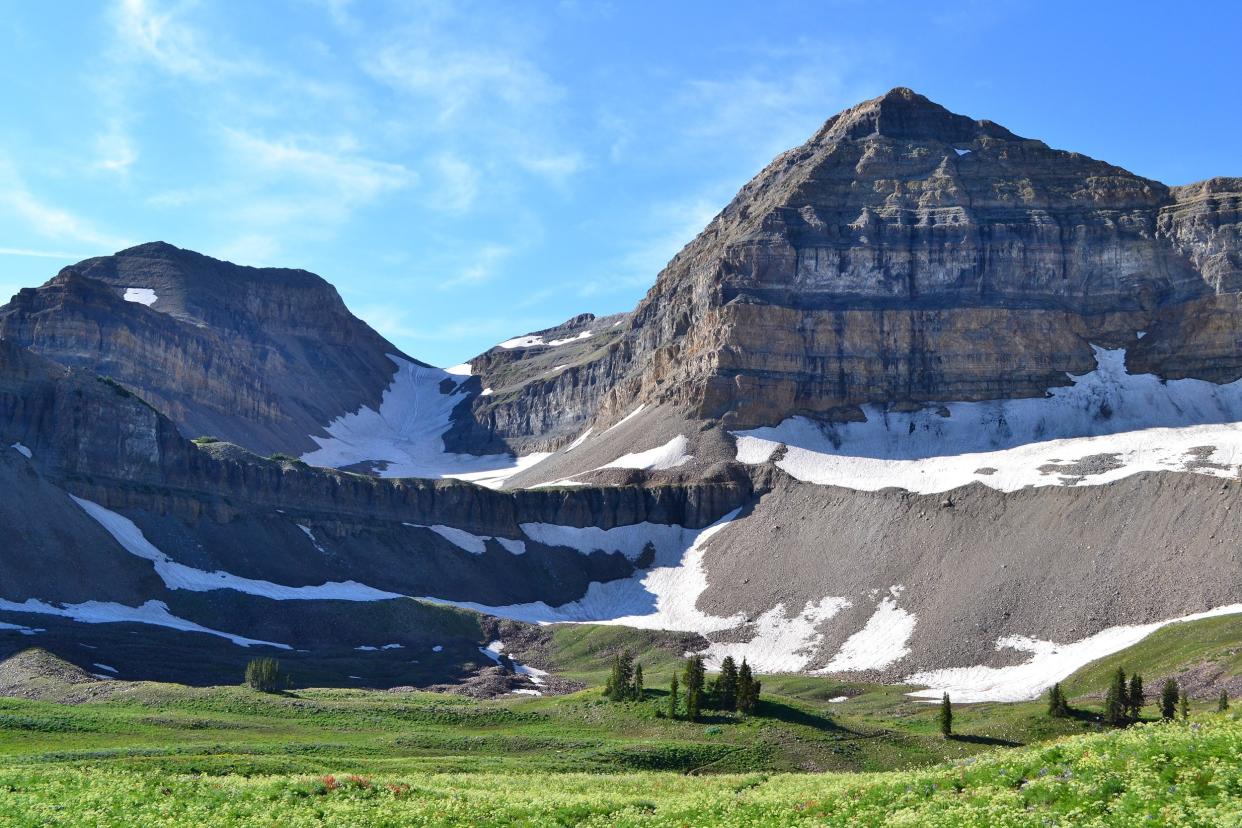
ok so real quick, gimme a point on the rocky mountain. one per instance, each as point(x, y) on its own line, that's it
point(907, 255)
point(264, 357)
point(927, 401)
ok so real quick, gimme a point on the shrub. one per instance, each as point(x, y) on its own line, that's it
point(206, 440)
point(266, 675)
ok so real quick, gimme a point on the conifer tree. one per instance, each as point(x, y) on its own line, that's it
point(1058, 706)
point(620, 685)
point(1135, 698)
point(1116, 703)
point(672, 698)
point(1183, 706)
point(694, 678)
point(747, 690)
point(1168, 700)
point(945, 717)
point(638, 683)
point(1222, 704)
point(727, 685)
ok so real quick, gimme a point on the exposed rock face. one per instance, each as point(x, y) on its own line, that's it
point(263, 357)
point(906, 254)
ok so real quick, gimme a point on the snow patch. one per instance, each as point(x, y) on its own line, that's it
point(838, 699)
point(154, 613)
point(522, 691)
point(668, 456)
point(884, 640)
point(495, 648)
point(312, 537)
point(630, 540)
point(1049, 663)
point(439, 648)
point(626, 418)
point(521, 342)
point(179, 576)
point(22, 629)
point(470, 542)
point(143, 296)
point(961, 152)
point(1120, 423)
point(580, 439)
point(22, 450)
point(558, 342)
point(462, 370)
point(406, 434)
point(105, 667)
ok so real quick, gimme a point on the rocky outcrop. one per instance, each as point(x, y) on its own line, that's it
point(264, 357)
point(906, 254)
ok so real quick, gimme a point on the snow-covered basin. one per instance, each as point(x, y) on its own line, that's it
point(405, 437)
point(1128, 423)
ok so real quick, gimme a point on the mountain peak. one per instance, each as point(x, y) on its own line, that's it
point(903, 114)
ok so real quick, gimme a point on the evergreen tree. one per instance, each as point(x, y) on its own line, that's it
point(1168, 699)
point(1222, 704)
point(672, 698)
point(1058, 706)
point(1183, 706)
point(727, 684)
point(1116, 702)
point(694, 679)
point(1135, 697)
point(638, 682)
point(266, 675)
point(747, 690)
point(945, 718)
point(620, 685)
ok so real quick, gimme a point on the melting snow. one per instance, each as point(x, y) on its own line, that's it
point(495, 648)
point(154, 613)
point(580, 439)
point(470, 542)
point(556, 342)
point(667, 456)
point(521, 342)
point(1149, 425)
point(522, 691)
point(179, 576)
point(462, 370)
point(311, 535)
point(626, 418)
point(406, 433)
point(1049, 663)
point(23, 630)
point(143, 296)
point(884, 640)
point(838, 699)
point(105, 667)
point(20, 449)
point(961, 151)
point(439, 648)
point(664, 597)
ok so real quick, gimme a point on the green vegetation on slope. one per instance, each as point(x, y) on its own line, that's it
point(1159, 774)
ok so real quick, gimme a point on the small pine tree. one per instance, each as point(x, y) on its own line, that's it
point(266, 675)
point(695, 676)
point(945, 718)
point(1136, 697)
point(727, 684)
point(1168, 699)
point(672, 698)
point(1058, 706)
point(620, 685)
point(1222, 704)
point(1183, 706)
point(747, 690)
point(638, 683)
point(1116, 703)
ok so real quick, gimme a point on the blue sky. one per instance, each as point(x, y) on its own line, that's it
point(466, 172)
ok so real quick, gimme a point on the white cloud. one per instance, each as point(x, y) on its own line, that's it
point(48, 220)
point(115, 149)
point(41, 254)
point(458, 183)
point(557, 168)
point(164, 39)
point(482, 268)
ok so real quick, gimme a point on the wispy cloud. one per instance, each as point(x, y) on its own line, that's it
point(41, 254)
point(164, 38)
point(115, 149)
point(482, 268)
point(47, 220)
